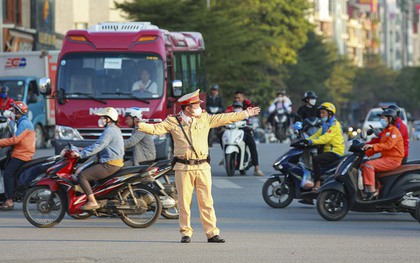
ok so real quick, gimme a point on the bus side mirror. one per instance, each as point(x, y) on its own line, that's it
point(176, 88)
point(45, 86)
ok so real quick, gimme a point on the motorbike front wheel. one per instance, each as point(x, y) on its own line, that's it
point(44, 208)
point(278, 195)
point(147, 210)
point(332, 205)
point(230, 163)
point(173, 212)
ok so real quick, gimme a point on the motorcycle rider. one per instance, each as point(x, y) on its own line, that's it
point(110, 147)
point(142, 144)
point(391, 147)
point(282, 101)
point(23, 150)
point(214, 99)
point(403, 130)
point(309, 109)
point(5, 100)
point(249, 140)
point(331, 136)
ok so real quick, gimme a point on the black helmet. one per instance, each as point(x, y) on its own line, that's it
point(237, 104)
point(309, 95)
point(388, 112)
point(215, 86)
point(395, 108)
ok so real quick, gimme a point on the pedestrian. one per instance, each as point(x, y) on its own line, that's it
point(23, 150)
point(189, 130)
point(141, 143)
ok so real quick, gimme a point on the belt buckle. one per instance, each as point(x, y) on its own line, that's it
point(191, 162)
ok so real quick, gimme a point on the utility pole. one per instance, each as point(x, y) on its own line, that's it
point(208, 4)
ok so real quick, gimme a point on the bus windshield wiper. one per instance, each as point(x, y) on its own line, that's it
point(87, 95)
point(127, 94)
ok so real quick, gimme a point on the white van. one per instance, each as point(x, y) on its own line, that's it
point(372, 119)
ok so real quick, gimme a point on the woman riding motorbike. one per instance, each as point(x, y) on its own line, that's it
point(110, 147)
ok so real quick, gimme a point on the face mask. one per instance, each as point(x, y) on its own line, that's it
point(101, 122)
point(238, 110)
point(324, 119)
point(3, 95)
point(384, 123)
point(196, 112)
point(312, 102)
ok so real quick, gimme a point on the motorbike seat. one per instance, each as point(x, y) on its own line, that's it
point(402, 169)
point(35, 162)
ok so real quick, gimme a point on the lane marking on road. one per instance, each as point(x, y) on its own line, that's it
point(224, 183)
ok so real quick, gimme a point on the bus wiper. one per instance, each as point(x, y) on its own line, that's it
point(87, 95)
point(127, 94)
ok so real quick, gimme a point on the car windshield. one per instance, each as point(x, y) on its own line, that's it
point(374, 115)
point(111, 76)
point(16, 88)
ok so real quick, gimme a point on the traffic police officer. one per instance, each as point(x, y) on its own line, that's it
point(189, 130)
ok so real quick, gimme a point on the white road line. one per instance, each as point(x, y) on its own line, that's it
point(224, 183)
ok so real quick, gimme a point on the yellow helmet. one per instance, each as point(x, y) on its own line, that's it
point(328, 106)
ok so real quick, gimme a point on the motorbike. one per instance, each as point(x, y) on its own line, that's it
point(165, 188)
point(281, 188)
point(399, 189)
point(213, 133)
point(237, 155)
point(29, 173)
point(281, 124)
point(125, 194)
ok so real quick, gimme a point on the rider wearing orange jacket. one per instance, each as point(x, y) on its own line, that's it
point(403, 130)
point(391, 147)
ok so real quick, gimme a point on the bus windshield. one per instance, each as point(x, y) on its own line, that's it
point(111, 76)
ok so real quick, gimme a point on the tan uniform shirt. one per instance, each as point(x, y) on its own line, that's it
point(197, 132)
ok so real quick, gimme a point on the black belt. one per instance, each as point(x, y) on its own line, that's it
point(190, 162)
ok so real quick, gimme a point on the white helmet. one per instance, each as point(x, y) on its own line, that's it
point(134, 112)
point(109, 112)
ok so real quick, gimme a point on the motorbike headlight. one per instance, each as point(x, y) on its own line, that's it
point(224, 138)
point(239, 138)
point(67, 133)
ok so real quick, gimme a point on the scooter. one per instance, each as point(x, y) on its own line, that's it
point(281, 125)
point(281, 188)
point(213, 133)
point(399, 189)
point(125, 194)
point(236, 152)
point(29, 173)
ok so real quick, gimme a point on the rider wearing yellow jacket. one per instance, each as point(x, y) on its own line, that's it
point(331, 136)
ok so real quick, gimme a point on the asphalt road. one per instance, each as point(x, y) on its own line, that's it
point(253, 231)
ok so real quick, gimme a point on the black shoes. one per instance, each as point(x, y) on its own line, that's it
point(185, 239)
point(216, 239)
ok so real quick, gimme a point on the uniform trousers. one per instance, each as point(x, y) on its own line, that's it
point(382, 164)
point(186, 181)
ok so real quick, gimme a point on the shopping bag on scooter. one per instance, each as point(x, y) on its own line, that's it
point(307, 181)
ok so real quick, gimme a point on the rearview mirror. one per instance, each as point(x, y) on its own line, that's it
point(176, 88)
point(45, 86)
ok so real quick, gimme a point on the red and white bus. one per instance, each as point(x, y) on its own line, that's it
point(99, 67)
